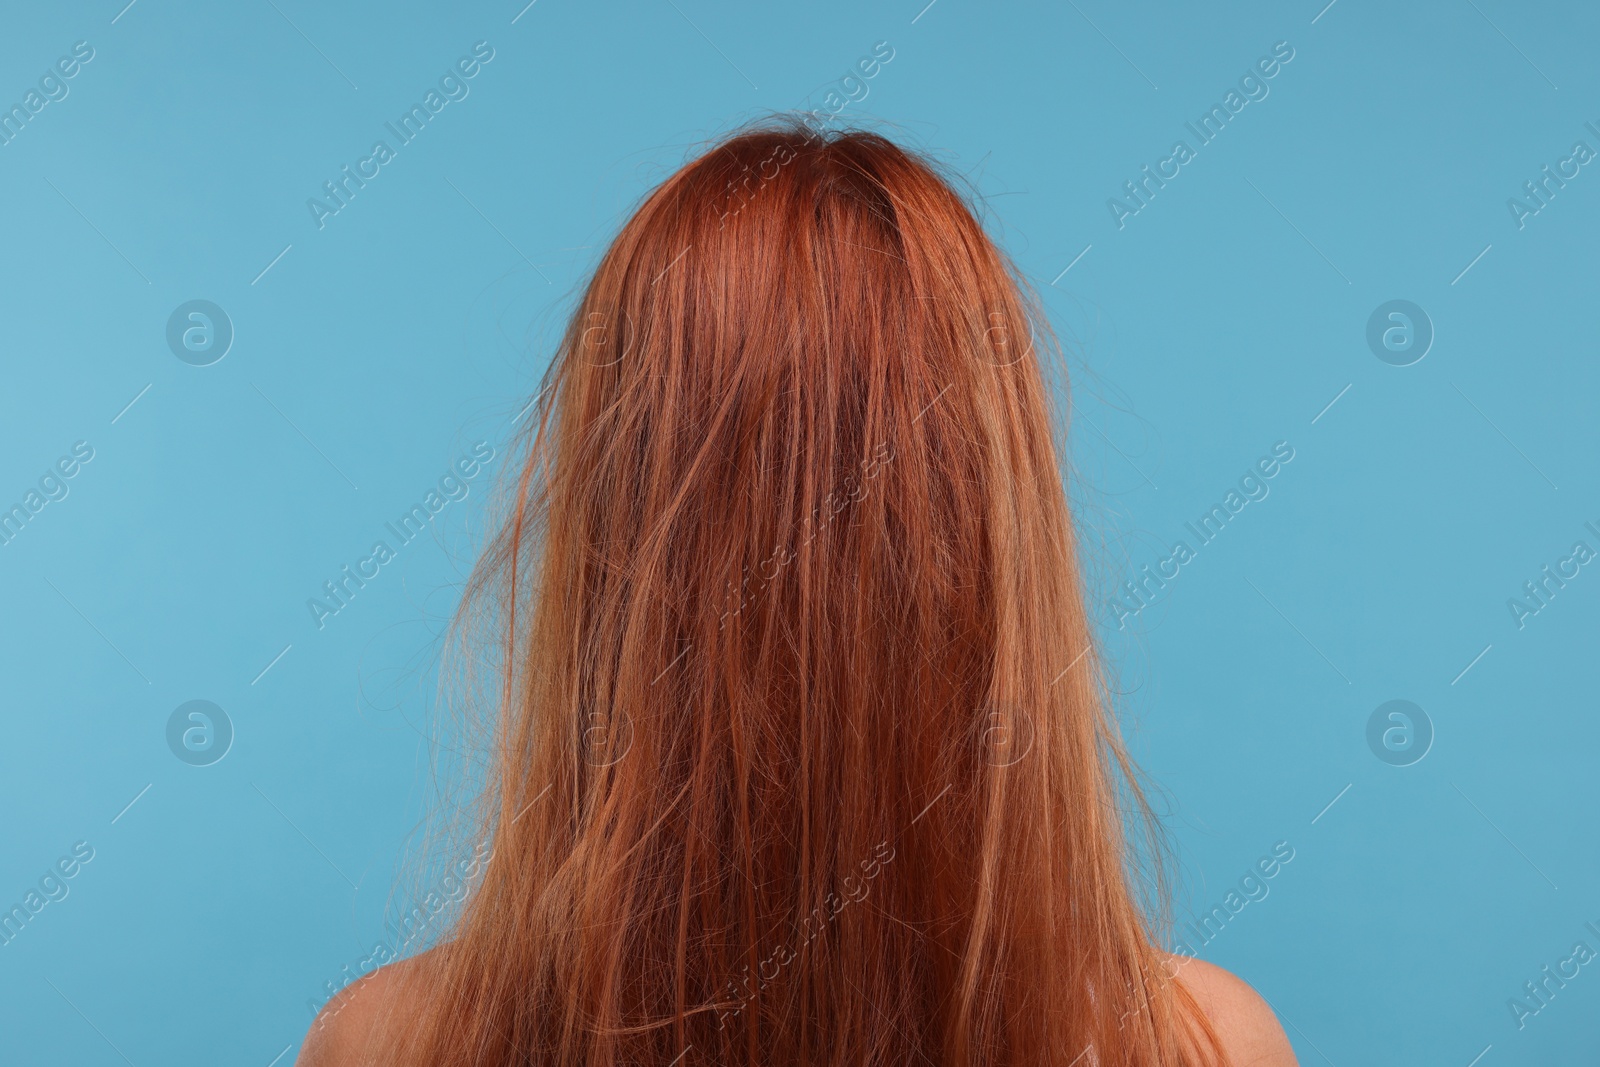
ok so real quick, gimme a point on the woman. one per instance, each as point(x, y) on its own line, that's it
point(802, 752)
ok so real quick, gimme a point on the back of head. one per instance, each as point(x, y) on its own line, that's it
point(802, 755)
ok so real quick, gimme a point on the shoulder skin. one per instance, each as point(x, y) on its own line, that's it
point(1246, 1026)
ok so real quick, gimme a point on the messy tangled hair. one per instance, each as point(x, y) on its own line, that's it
point(802, 752)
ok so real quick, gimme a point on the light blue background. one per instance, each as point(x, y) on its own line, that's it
point(411, 326)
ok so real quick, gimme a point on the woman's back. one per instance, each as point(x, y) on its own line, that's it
point(802, 753)
point(352, 1024)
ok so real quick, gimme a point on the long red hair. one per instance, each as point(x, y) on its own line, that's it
point(802, 753)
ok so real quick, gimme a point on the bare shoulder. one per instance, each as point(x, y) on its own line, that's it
point(345, 1028)
point(1246, 1024)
